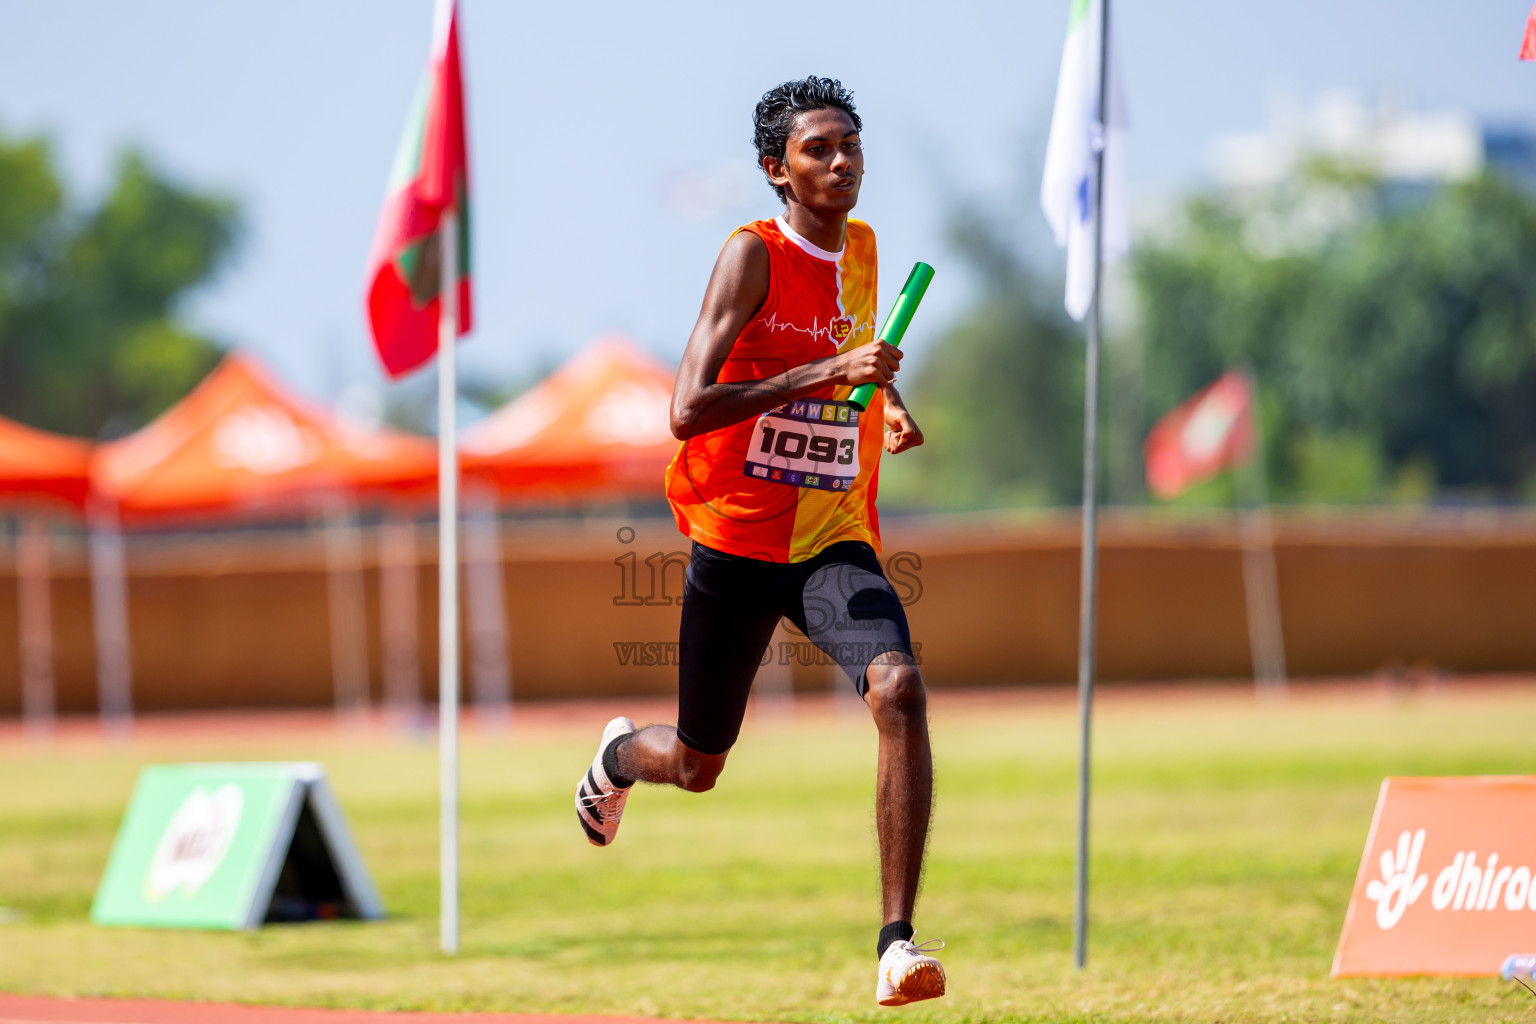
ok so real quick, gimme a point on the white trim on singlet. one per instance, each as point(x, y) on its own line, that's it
point(810, 247)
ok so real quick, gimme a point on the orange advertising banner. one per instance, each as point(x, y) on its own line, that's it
point(1445, 883)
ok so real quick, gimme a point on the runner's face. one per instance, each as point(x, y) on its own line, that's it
point(823, 161)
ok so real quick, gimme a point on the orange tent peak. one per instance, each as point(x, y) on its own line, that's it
point(240, 439)
point(610, 394)
point(613, 349)
point(599, 425)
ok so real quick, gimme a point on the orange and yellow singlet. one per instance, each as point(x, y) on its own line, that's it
point(782, 486)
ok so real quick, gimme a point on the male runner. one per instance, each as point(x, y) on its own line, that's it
point(775, 485)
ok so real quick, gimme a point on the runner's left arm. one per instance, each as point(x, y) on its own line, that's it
point(901, 430)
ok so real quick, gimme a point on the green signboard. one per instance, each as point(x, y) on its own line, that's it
point(233, 846)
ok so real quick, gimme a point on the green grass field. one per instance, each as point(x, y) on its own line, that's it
point(1226, 840)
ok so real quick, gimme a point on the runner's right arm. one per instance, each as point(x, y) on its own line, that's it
point(737, 290)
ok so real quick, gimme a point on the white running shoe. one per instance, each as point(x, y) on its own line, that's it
point(908, 973)
point(599, 803)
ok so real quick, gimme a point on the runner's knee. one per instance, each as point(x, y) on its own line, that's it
point(896, 695)
point(697, 772)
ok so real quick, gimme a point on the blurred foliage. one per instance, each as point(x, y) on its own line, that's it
point(1394, 340)
point(1000, 396)
point(1392, 330)
point(90, 342)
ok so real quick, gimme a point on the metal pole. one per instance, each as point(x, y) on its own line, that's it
point(448, 583)
point(398, 565)
point(1089, 585)
point(1261, 582)
point(109, 606)
point(490, 663)
point(35, 613)
point(347, 607)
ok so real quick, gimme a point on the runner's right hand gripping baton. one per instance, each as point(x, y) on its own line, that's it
point(896, 323)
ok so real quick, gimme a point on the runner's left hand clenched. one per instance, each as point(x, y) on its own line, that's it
point(901, 430)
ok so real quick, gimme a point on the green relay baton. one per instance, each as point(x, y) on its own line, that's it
point(896, 323)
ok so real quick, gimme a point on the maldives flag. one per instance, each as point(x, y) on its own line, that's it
point(429, 179)
point(1528, 48)
point(1198, 439)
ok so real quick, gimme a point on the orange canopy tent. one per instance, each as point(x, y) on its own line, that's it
point(37, 464)
point(240, 443)
point(598, 427)
point(38, 467)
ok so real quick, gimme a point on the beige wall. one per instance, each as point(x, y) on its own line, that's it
point(242, 620)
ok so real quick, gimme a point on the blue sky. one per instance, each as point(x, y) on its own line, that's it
point(596, 128)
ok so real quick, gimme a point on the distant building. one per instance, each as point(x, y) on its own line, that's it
point(1410, 151)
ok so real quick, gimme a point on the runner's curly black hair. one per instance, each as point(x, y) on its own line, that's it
point(776, 111)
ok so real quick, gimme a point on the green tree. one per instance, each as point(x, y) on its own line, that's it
point(90, 340)
point(999, 396)
point(1394, 338)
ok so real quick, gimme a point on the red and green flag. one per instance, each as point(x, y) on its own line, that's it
point(1210, 432)
point(430, 179)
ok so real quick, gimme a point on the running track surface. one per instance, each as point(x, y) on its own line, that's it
point(35, 1010)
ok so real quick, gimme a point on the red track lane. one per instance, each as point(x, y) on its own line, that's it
point(36, 1010)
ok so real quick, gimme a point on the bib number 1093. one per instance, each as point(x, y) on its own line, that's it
point(792, 444)
point(806, 444)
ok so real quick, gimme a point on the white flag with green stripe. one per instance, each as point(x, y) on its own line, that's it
point(1066, 191)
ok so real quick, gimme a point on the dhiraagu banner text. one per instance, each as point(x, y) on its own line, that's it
point(1445, 883)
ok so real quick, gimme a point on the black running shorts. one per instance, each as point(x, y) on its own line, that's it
point(840, 600)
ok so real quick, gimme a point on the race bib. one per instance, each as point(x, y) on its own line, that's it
point(806, 444)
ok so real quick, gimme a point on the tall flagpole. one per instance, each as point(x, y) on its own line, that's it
point(1089, 585)
point(448, 582)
